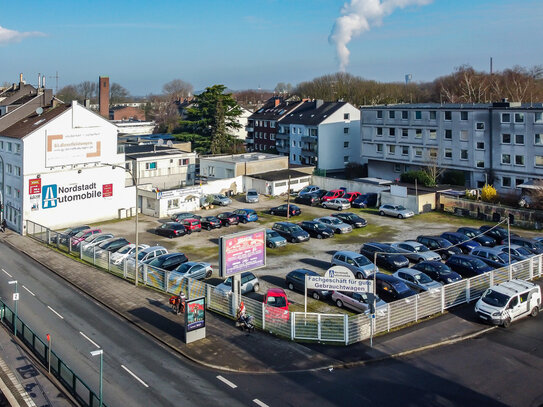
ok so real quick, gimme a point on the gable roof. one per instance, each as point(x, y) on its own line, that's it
point(312, 113)
point(271, 112)
point(33, 122)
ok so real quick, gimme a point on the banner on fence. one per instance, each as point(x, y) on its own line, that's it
point(339, 284)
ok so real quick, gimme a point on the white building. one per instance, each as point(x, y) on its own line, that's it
point(242, 119)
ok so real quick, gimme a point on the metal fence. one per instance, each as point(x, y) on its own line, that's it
point(40, 349)
point(300, 325)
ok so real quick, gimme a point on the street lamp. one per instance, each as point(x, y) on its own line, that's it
point(101, 353)
point(16, 300)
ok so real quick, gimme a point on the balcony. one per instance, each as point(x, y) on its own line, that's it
point(249, 129)
point(282, 136)
point(309, 139)
point(309, 153)
point(282, 148)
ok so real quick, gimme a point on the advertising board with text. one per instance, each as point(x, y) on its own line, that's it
point(242, 252)
point(195, 314)
point(339, 284)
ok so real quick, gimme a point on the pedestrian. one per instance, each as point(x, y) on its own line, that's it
point(3, 225)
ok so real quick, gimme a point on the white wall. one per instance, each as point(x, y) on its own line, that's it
point(221, 185)
point(351, 185)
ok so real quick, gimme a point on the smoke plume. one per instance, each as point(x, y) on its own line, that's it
point(359, 16)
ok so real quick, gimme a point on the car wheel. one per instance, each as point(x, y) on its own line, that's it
point(534, 312)
point(420, 260)
point(244, 221)
point(338, 231)
point(319, 236)
point(270, 245)
point(316, 295)
point(256, 288)
point(340, 208)
point(381, 213)
point(290, 286)
point(189, 232)
point(400, 216)
point(507, 322)
point(272, 212)
point(292, 240)
point(208, 227)
point(339, 303)
point(359, 275)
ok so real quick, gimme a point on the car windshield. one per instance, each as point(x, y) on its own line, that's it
point(82, 233)
point(221, 196)
point(423, 278)
point(335, 221)
point(320, 226)
point(421, 249)
point(156, 262)
point(538, 246)
point(479, 264)
point(273, 234)
point(400, 287)
point(400, 208)
point(252, 193)
point(183, 268)
point(362, 261)
point(295, 228)
point(330, 193)
point(504, 257)
point(125, 250)
point(228, 282)
point(523, 251)
point(386, 249)
point(494, 298)
point(141, 255)
point(277, 301)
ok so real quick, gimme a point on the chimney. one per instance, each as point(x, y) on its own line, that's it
point(318, 103)
point(276, 102)
point(86, 103)
point(103, 91)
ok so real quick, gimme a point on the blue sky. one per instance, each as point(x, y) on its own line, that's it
point(250, 43)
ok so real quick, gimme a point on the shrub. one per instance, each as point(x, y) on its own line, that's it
point(488, 193)
point(454, 177)
point(421, 176)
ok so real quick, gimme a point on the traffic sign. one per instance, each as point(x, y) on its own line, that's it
point(15, 296)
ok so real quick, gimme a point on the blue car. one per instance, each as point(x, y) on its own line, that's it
point(461, 240)
point(246, 215)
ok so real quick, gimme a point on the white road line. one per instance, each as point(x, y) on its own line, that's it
point(31, 293)
point(89, 339)
point(7, 273)
point(226, 381)
point(259, 403)
point(58, 315)
point(134, 376)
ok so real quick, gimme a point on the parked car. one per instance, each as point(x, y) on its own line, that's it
point(171, 229)
point(386, 256)
point(389, 288)
point(491, 256)
point(220, 199)
point(65, 236)
point(333, 194)
point(111, 245)
point(295, 280)
point(477, 235)
point(274, 239)
point(416, 280)
point(533, 245)
point(246, 215)
point(308, 199)
point(308, 190)
point(539, 239)
point(359, 264)
point(438, 271)
point(194, 269)
point(351, 219)
point(82, 235)
point(249, 283)
point(252, 196)
point(281, 210)
point(467, 266)
point(316, 229)
point(496, 232)
point(210, 222)
point(518, 253)
point(336, 224)
point(415, 251)
point(178, 217)
point(460, 240)
point(276, 302)
point(228, 218)
point(365, 200)
point(506, 302)
point(359, 302)
point(290, 231)
point(439, 245)
point(351, 196)
point(95, 239)
point(168, 261)
point(192, 225)
point(338, 204)
point(397, 211)
point(146, 255)
point(125, 252)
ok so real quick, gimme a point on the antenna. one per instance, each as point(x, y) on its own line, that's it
point(56, 86)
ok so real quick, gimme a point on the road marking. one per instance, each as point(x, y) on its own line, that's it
point(31, 293)
point(7, 273)
point(226, 381)
point(58, 315)
point(259, 403)
point(134, 376)
point(89, 339)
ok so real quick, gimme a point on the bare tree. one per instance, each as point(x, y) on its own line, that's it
point(164, 112)
point(432, 168)
point(87, 90)
point(68, 93)
point(177, 89)
point(118, 94)
point(284, 88)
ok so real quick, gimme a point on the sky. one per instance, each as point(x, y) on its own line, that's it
point(247, 44)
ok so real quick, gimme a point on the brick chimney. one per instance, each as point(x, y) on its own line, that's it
point(276, 102)
point(103, 89)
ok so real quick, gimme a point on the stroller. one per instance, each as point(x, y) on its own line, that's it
point(243, 321)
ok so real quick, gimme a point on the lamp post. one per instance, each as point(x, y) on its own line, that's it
point(16, 300)
point(509, 247)
point(101, 353)
point(2, 190)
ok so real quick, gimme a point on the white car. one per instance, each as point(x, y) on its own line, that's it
point(308, 190)
point(338, 203)
point(249, 282)
point(192, 269)
point(251, 196)
point(397, 211)
point(335, 224)
point(94, 240)
point(125, 252)
point(415, 251)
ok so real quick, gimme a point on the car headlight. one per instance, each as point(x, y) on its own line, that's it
point(449, 280)
point(496, 314)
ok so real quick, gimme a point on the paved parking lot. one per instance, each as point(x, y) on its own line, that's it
point(314, 254)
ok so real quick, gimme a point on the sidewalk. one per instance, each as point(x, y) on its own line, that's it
point(226, 347)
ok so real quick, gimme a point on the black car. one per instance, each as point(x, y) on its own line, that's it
point(351, 219)
point(533, 245)
point(467, 266)
point(171, 229)
point(439, 245)
point(316, 229)
point(385, 257)
point(291, 231)
point(178, 217)
point(168, 261)
point(310, 199)
point(295, 280)
point(210, 222)
point(65, 236)
point(281, 210)
point(112, 245)
point(390, 288)
point(475, 234)
point(438, 271)
point(365, 200)
point(228, 218)
point(496, 232)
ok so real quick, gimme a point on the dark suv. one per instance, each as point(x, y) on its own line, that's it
point(463, 242)
point(290, 231)
point(533, 245)
point(438, 271)
point(439, 245)
point(496, 232)
point(390, 288)
point(168, 261)
point(467, 266)
point(388, 259)
point(475, 234)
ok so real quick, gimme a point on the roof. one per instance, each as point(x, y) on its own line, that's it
point(312, 113)
point(240, 158)
point(454, 106)
point(33, 122)
point(124, 107)
point(280, 175)
point(271, 112)
point(150, 150)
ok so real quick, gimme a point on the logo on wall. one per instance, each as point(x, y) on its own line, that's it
point(50, 196)
point(54, 195)
point(107, 190)
point(34, 186)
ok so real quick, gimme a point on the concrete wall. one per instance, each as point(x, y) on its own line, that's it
point(351, 185)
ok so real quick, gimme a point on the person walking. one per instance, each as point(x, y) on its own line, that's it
point(3, 225)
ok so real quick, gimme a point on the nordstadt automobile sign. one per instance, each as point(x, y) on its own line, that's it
point(339, 284)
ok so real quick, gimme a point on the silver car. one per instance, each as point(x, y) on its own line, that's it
point(359, 302)
point(417, 280)
point(335, 224)
point(397, 211)
point(415, 251)
point(220, 199)
point(192, 269)
point(249, 282)
point(94, 240)
point(309, 190)
point(338, 203)
point(251, 196)
point(356, 262)
point(125, 252)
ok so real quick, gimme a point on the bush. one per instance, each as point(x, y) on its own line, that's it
point(470, 195)
point(488, 193)
point(355, 170)
point(421, 176)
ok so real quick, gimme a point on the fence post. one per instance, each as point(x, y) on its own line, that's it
point(263, 316)
point(346, 328)
point(208, 295)
point(442, 299)
point(145, 271)
point(167, 280)
point(125, 268)
point(94, 255)
point(540, 263)
point(416, 307)
point(467, 290)
point(319, 327)
point(48, 235)
point(531, 268)
point(81, 250)
point(491, 278)
point(292, 325)
point(108, 260)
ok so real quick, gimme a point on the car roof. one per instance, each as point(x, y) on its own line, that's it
point(464, 256)
point(276, 291)
point(409, 271)
point(504, 246)
point(492, 250)
point(513, 287)
point(411, 243)
point(305, 271)
point(285, 223)
point(348, 253)
point(152, 248)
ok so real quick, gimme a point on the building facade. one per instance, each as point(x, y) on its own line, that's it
point(230, 166)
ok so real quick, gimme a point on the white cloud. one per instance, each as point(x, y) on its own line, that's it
point(8, 36)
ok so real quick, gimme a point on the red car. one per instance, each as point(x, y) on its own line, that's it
point(192, 225)
point(276, 302)
point(333, 194)
point(79, 237)
point(351, 196)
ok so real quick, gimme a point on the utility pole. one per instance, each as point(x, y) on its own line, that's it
point(56, 81)
point(288, 197)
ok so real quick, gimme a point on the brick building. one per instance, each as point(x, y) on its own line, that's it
point(126, 113)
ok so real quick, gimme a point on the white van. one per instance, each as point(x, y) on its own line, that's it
point(509, 301)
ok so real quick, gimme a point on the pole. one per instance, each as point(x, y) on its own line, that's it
point(305, 296)
point(101, 353)
point(374, 297)
point(49, 354)
point(135, 178)
point(16, 300)
point(288, 197)
point(509, 246)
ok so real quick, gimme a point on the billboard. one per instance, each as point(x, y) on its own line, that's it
point(77, 146)
point(244, 251)
point(339, 284)
point(195, 314)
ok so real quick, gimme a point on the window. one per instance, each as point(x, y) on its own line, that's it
point(379, 148)
point(265, 136)
point(272, 125)
point(519, 117)
point(538, 117)
point(397, 167)
point(345, 158)
point(346, 130)
point(519, 138)
point(519, 160)
point(18, 193)
point(18, 171)
point(418, 152)
point(506, 117)
point(418, 133)
point(293, 143)
point(506, 158)
point(391, 149)
point(345, 144)
point(391, 114)
point(418, 115)
point(379, 114)
point(433, 114)
point(405, 168)
point(463, 115)
point(480, 164)
point(432, 153)
point(265, 123)
point(447, 153)
point(405, 150)
point(150, 166)
point(9, 168)
point(448, 134)
point(480, 145)
point(479, 126)
point(538, 139)
point(405, 132)
point(392, 132)
point(519, 181)
point(183, 161)
point(506, 182)
point(506, 138)
point(1, 145)
point(272, 136)
point(405, 114)
point(346, 116)
point(433, 134)
point(448, 115)
point(8, 190)
point(463, 154)
point(463, 135)
point(10, 148)
point(379, 131)
point(539, 160)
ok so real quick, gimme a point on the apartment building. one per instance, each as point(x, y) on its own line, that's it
point(500, 142)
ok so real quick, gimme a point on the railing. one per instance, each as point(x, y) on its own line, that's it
point(59, 369)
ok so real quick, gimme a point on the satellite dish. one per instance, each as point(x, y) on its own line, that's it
point(169, 143)
point(39, 111)
point(160, 142)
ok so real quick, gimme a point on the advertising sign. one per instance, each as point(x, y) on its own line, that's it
point(241, 252)
point(195, 314)
point(74, 147)
point(53, 194)
point(338, 278)
point(107, 190)
point(34, 186)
